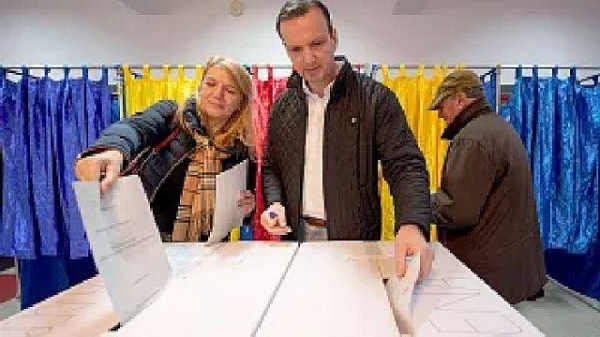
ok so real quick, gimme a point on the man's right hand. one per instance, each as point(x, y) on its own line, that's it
point(273, 220)
point(103, 167)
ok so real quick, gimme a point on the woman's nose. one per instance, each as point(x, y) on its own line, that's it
point(219, 91)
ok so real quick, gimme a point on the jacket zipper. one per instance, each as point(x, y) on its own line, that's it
point(300, 200)
point(324, 156)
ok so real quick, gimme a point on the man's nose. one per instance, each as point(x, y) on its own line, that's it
point(308, 56)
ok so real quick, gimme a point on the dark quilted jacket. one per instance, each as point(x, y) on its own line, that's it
point(364, 123)
point(164, 172)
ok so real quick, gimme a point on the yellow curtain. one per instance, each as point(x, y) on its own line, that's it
point(415, 94)
point(142, 92)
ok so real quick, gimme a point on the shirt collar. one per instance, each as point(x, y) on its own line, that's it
point(326, 92)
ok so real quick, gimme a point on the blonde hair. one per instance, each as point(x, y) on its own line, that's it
point(239, 125)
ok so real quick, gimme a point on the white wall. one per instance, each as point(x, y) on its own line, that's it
point(474, 32)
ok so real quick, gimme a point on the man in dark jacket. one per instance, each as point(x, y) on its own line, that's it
point(326, 135)
point(485, 208)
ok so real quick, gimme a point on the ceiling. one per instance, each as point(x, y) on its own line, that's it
point(154, 7)
point(382, 7)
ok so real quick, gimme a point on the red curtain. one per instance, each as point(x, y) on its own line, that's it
point(265, 93)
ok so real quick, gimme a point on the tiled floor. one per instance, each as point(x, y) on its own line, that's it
point(561, 314)
point(558, 314)
point(9, 308)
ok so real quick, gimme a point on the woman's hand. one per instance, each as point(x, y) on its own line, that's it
point(103, 167)
point(247, 202)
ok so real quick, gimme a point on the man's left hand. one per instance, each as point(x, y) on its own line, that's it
point(409, 241)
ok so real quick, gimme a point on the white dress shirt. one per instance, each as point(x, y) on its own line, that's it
point(313, 201)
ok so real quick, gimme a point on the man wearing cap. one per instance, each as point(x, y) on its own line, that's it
point(485, 208)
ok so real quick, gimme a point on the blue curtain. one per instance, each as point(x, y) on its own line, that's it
point(559, 122)
point(45, 123)
point(489, 87)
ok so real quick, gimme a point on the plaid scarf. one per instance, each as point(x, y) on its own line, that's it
point(197, 202)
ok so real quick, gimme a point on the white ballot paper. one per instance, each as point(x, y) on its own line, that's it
point(400, 292)
point(125, 243)
point(227, 214)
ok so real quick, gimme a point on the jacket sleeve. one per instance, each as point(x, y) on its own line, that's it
point(468, 179)
point(133, 134)
point(403, 164)
point(271, 176)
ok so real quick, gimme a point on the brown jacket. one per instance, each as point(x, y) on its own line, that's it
point(485, 208)
point(364, 123)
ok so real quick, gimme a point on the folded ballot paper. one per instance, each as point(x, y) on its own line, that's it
point(400, 292)
point(125, 243)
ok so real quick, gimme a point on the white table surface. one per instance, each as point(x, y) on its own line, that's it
point(226, 294)
point(85, 309)
point(277, 289)
point(332, 289)
point(455, 302)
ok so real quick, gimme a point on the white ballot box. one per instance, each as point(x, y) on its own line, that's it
point(225, 294)
point(455, 302)
point(282, 289)
point(331, 289)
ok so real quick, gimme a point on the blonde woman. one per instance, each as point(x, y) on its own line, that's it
point(173, 147)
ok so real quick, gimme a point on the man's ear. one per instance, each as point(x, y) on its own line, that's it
point(334, 37)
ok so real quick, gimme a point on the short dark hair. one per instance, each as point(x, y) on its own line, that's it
point(299, 8)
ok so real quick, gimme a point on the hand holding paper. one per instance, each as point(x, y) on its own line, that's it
point(228, 214)
point(400, 291)
point(409, 241)
point(125, 242)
